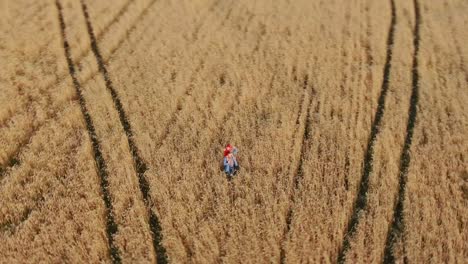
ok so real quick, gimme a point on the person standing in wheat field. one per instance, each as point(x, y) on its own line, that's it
point(230, 164)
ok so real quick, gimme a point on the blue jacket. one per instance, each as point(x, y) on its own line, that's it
point(226, 163)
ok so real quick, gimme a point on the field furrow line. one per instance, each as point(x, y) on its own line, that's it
point(114, 20)
point(61, 75)
point(111, 227)
point(200, 25)
point(397, 226)
point(220, 129)
point(225, 119)
point(129, 31)
point(458, 48)
point(188, 91)
point(361, 199)
point(111, 53)
point(300, 113)
point(119, 44)
point(27, 16)
point(139, 163)
point(298, 168)
point(10, 226)
point(14, 158)
point(179, 106)
point(38, 14)
point(222, 81)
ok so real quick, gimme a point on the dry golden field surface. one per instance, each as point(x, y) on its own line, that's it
point(351, 118)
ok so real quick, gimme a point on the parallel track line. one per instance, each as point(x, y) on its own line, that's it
point(398, 225)
point(111, 226)
point(140, 165)
point(61, 76)
point(360, 203)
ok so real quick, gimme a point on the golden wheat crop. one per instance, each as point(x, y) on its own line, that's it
point(351, 118)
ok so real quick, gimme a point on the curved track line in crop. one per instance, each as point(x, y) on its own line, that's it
point(114, 21)
point(116, 18)
point(140, 165)
point(11, 226)
point(298, 169)
point(61, 76)
point(111, 226)
point(24, 142)
point(129, 31)
point(121, 41)
point(84, 82)
point(111, 52)
point(14, 158)
point(398, 224)
point(361, 199)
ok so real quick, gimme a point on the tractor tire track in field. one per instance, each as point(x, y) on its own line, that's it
point(61, 76)
point(361, 199)
point(111, 226)
point(84, 82)
point(114, 21)
point(298, 169)
point(129, 31)
point(140, 164)
point(14, 160)
point(398, 225)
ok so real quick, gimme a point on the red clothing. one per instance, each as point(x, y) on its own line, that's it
point(227, 150)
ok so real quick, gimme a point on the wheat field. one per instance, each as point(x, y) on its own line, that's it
point(351, 118)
